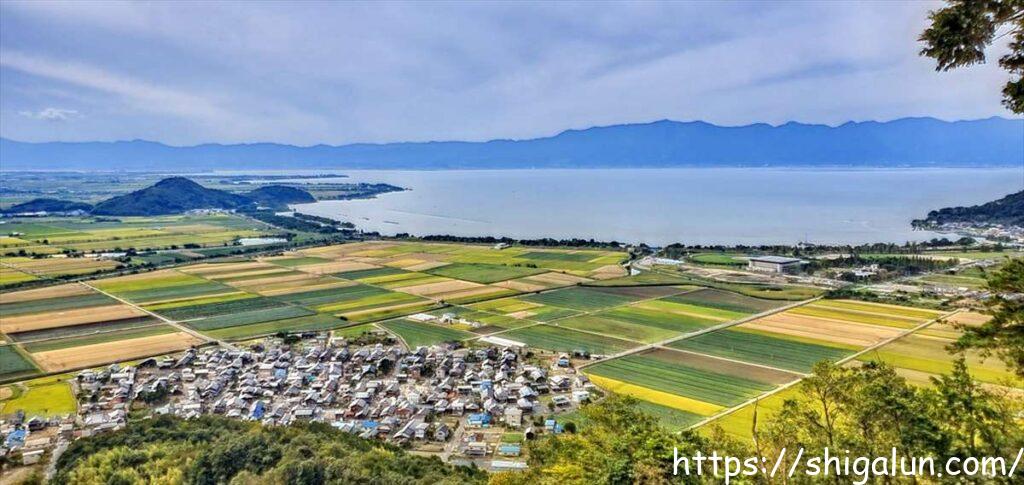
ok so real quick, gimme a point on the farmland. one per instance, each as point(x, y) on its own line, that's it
point(565, 340)
point(14, 364)
point(415, 334)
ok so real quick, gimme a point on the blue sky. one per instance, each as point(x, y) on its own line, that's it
point(308, 73)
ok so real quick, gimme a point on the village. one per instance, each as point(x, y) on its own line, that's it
point(463, 404)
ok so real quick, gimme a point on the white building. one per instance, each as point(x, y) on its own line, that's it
point(774, 264)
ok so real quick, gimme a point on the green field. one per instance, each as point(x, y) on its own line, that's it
point(55, 304)
point(619, 329)
point(677, 378)
point(298, 261)
point(370, 273)
point(484, 273)
point(931, 355)
point(579, 298)
point(84, 330)
point(726, 300)
point(719, 259)
point(13, 364)
point(250, 317)
point(761, 349)
point(669, 418)
point(220, 308)
point(330, 296)
point(46, 396)
point(565, 340)
point(311, 323)
point(416, 334)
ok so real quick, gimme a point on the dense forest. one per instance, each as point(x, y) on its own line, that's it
point(212, 450)
point(1008, 211)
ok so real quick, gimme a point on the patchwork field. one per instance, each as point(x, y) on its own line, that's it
point(697, 384)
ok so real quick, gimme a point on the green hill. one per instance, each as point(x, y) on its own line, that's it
point(1008, 211)
point(48, 205)
point(178, 194)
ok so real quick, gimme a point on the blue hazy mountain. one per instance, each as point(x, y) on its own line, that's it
point(898, 143)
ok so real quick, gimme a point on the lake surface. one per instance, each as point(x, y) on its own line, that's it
point(661, 206)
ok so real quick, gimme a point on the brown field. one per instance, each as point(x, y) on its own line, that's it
point(557, 279)
point(521, 285)
point(72, 289)
point(403, 262)
point(54, 266)
point(431, 289)
point(971, 319)
point(153, 275)
point(608, 272)
point(522, 314)
point(67, 318)
point(97, 354)
point(335, 267)
point(822, 329)
point(271, 280)
point(297, 286)
point(486, 290)
point(342, 250)
point(249, 272)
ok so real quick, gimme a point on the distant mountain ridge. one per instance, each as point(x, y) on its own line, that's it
point(1008, 211)
point(919, 142)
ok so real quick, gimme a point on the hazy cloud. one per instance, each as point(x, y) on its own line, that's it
point(311, 73)
point(51, 114)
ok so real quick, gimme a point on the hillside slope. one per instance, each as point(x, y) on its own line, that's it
point(169, 196)
point(1008, 211)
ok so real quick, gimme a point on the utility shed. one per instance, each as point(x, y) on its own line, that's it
point(774, 264)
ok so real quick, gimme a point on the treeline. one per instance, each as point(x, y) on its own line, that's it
point(888, 266)
point(305, 223)
point(549, 242)
point(679, 250)
point(218, 450)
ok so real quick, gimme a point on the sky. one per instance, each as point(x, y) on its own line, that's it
point(307, 73)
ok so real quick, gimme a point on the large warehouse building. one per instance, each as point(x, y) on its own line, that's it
point(774, 264)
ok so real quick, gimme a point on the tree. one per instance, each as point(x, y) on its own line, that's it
point(1003, 335)
point(962, 30)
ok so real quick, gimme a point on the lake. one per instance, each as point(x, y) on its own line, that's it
point(661, 206)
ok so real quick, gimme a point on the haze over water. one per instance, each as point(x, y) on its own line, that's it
point(662, 206)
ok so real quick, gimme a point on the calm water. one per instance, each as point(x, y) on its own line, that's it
point(697, 206)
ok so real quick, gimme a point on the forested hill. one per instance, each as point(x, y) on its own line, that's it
point(904, 142)
point(1008, 211)
point(176, 195)
point(211, 450)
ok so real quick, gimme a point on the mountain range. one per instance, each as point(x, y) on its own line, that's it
point(918, 142)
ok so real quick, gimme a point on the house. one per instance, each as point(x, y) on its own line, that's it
point(513, 417)
point(510, 449)
point(479, 420)
point(774, 264)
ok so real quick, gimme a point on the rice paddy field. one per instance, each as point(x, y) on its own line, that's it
point(43, 235)
point(45, 396)
point(735, 353)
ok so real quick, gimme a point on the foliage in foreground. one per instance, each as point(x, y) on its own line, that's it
point(1003, 335)
point(213, 449)
point(868, 410)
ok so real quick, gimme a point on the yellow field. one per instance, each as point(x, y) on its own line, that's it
point(822, 329)
point(663, 398)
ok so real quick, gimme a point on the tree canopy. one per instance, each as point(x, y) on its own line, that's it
point(961, 31)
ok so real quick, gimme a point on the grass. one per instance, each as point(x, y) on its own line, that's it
point(484, 273)
point(760, 349)
point(718, 259)
point(565, 340)
point(44, 397)
point(416, 334)
point(680, 379)
point(579, 298)
point(14, 364)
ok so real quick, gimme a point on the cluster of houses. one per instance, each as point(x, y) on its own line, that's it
point(428, 395)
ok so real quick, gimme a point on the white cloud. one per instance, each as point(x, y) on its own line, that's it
point(51, 114)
